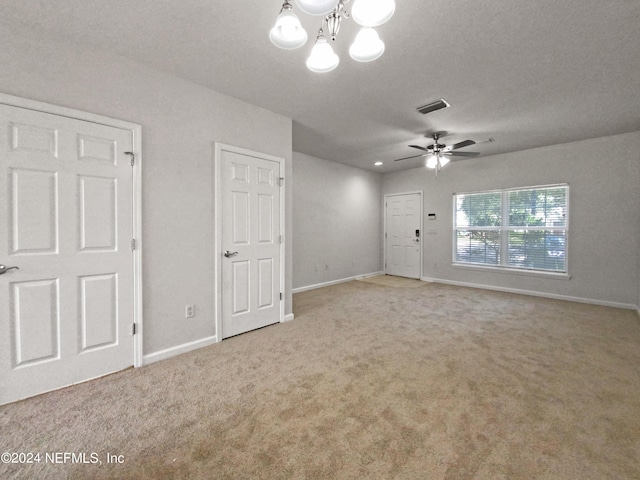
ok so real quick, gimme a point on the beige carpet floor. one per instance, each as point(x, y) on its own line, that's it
point(369, 381)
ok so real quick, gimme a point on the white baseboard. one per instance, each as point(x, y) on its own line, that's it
point(188, 347)
point(533, 293)
point(178, 349)
point(335, 282)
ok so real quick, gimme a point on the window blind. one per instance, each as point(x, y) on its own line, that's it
point(523, 228)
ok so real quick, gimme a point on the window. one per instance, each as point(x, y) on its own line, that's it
point(523, 228)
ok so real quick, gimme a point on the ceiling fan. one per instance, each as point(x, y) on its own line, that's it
point(438, 153)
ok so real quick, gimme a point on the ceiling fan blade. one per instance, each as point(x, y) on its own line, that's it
point(465, 143)
point(407, 158)
point(465, 154)
point(419, 147)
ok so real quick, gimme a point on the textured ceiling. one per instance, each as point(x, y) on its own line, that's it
point(526, 73)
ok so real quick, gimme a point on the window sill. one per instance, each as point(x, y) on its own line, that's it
point(514, 271)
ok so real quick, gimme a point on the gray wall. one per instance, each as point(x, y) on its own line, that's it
point(180, 123)
point(637, 173)
point(337, 217)
point(604, 181)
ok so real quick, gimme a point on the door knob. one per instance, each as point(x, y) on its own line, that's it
point(229, 254)
point(4, 269)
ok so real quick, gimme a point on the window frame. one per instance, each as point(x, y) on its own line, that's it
point(503, 232)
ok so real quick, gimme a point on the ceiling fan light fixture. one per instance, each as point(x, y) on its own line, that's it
point(288, 33)
point(371, 13)
point(432, 162)
point(317, 7)
point(367, 46)
point(443, 160)
point(322, 58)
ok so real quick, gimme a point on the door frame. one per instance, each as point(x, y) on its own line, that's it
point(384, 233)
point(219, 148)
point(136, 132)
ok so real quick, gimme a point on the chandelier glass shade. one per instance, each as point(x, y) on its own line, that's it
point(371, 13)
point(289, 34)
point(367, 46)
point(317, 7)
point(322, 58)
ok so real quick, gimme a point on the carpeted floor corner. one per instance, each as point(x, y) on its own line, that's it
point(369, 381)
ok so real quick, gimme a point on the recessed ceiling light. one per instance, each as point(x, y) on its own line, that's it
point(377, 164)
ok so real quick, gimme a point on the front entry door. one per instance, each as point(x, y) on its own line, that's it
point(403, 235)
point(250, 241)
point(66, 218)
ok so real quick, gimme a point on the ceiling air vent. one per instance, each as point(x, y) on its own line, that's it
point(433, 106)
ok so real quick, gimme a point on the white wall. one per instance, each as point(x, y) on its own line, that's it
point(336, 217)
point(180, 123)
point(603, 245)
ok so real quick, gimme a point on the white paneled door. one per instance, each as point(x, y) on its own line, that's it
point(66, 222)
point(403, 234)
point(250, 241)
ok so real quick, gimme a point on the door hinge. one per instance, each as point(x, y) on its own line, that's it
point(133, 157)
point(280, 295)
point(281, 240)
point(281, 181)
point(134, 329)
point(133, 244)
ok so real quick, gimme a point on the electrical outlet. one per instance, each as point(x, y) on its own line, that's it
point(189, 311)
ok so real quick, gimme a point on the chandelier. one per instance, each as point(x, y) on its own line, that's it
point(289, 34)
